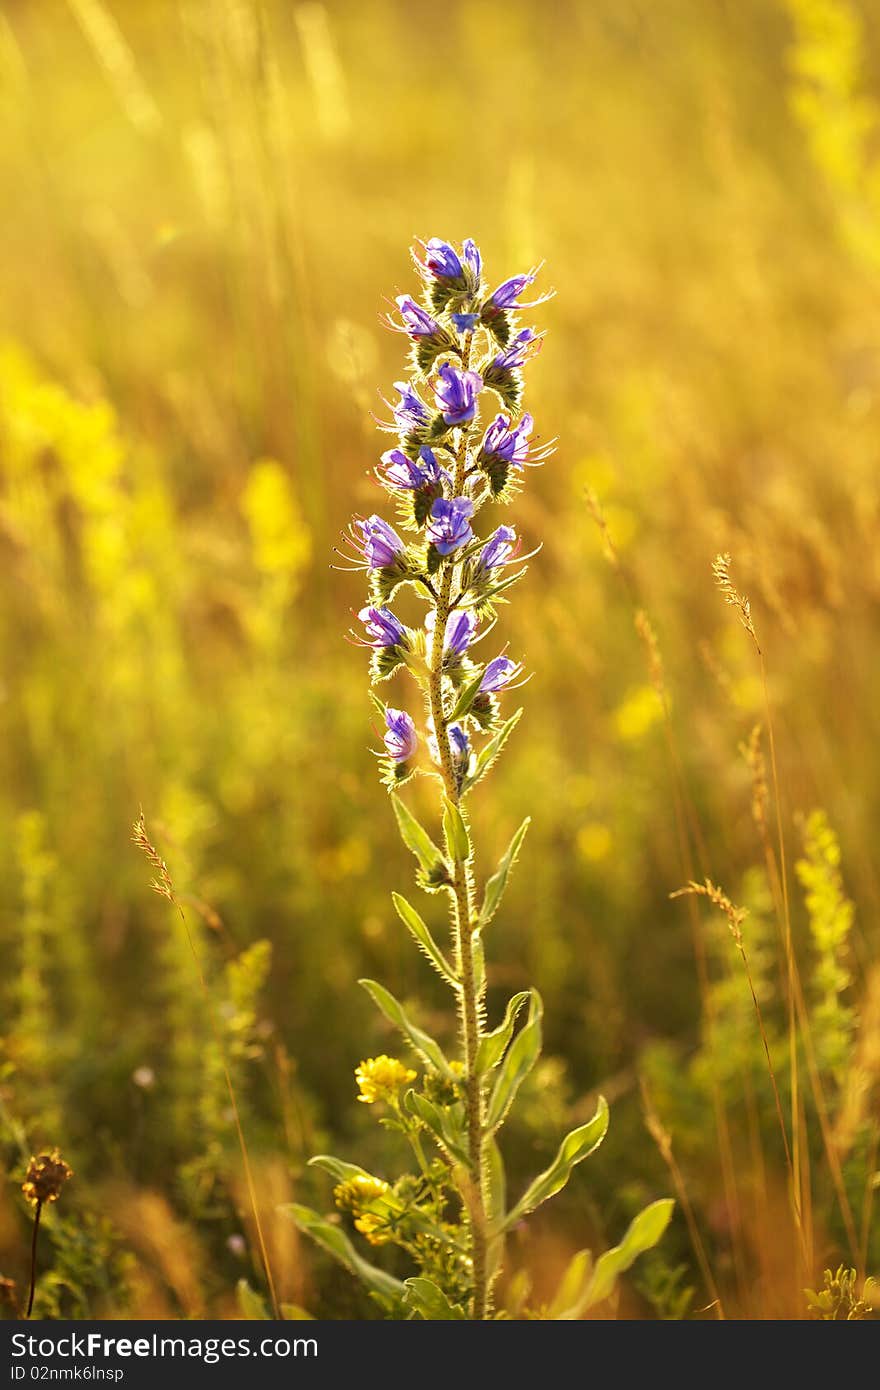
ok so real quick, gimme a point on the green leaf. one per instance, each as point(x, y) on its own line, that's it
point(417, 839)
point(583, 1287)
point(338, 1168)
point(574, 1148)
point(496, 1207)
point(468, 695)
point(493, 1045)
point(498, 882)
point(522, 1055)
point(422, 1042)
point(571, 1286)
point(413, 922)
point(252, 1304)
point(334, 1240)
point(457, 839)
point(490, 752)
point(430, 1302)
point(447, 1129)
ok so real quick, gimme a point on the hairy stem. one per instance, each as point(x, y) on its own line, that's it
point(470, 1001)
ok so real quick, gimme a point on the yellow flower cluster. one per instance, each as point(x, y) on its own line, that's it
point(380, 1078)
point(358, 1194)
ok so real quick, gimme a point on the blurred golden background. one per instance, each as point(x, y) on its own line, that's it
point(206, 206)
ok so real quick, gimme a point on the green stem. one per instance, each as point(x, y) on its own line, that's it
point(470, 1001)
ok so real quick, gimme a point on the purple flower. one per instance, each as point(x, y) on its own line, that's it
point(410, 413)
point(383, 628)
point(400, 471)
point(465, 323)
point(509, 443)
point(498, 549)
point(507, 294)
point(449, 524)
point(441, 260)
point(417, 322)
point(380, 546)
point(401, 740)
point(473, 259)
point(524, 346)
point(498, 674)
point(456, 394)
point(460, 628)
point(458, 740)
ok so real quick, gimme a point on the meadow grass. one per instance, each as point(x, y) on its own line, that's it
point(203, 205)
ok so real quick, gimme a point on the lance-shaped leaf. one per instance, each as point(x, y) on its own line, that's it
point(574, 1148)
point(571, 1286)
point(493, 1045)
point(498, 882)
point(468, 695)
point(422, 1042)
point(454, 829)
point(434, 869)
point(495, 1208)
point(583, 1286)
point(423, 1296)
point(490, 752)
point(444, 1124)
point(521, 1056)
point(334, 1240)
point(420, 931)
point(339, 1169)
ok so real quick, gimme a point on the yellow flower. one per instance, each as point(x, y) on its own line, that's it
point(359, 1192)
point(380, 1078)
point(373, 1227)
point(361, 1196)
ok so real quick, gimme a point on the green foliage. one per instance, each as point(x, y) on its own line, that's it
point(830, 915)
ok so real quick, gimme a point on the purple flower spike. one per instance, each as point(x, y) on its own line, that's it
point(498, 674)
point(401, 740)
point(505, 442)
point(449, 524)
point(465, 323)
point(410, 413)
point(498, 549)
point(400, 471)
point(441, 260)
point(456, 394)
point(417, 322)
point(524, 346)
point(381, 546)
point(383, 628)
